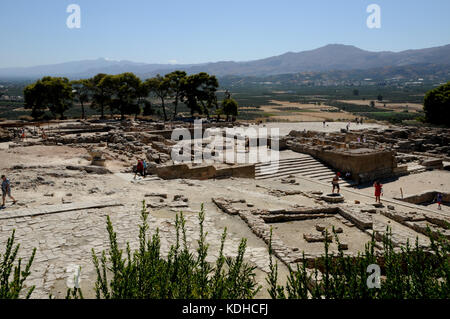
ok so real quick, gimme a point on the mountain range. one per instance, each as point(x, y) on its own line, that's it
point(333, 57)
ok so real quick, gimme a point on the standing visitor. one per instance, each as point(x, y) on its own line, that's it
point(144, 164)
point(6, 190)
point(378, 190)
point(335, 183)
point(439, 200)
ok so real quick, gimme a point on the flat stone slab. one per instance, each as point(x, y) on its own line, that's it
point(55, 209)
point(314, 238)
point(361, 220)
point(225, 206)
point(163, 195)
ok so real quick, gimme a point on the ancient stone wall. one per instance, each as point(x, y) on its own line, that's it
point(425, 197)
point(363, 164)
point(204, 172)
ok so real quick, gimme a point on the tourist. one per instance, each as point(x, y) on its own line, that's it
point(439, 200)
point(6, 190)
point(324, 123)
point(348, 126)
point(144, 170)
point(378, 191)
point(335, 183)
point(139, 168)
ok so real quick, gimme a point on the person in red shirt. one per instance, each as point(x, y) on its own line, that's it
point(139, 168)
point(378, 189)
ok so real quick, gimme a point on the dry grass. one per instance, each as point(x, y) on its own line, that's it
point(304, 112)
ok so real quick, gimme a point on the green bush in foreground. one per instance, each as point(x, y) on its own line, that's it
point(411, 273)
point(145, 274)
point(11, 289)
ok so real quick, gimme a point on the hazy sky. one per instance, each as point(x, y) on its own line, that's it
point(194, 31)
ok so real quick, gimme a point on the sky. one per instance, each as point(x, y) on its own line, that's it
point(197, 31)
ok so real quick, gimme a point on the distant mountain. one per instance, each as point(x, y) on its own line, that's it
point(428, 74)
point(85, 68)
point(333, 57)
point(328, 58)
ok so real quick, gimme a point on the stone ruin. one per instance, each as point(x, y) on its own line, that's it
point(365, 155)
point(373, 154)
point(132, 140)
point(97, 157)
point(361, 218)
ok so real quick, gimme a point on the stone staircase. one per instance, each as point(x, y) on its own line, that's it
point(304, 165)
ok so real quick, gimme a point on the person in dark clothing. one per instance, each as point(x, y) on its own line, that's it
point(6, 190)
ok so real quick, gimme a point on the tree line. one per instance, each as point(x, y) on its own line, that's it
point(127, 94)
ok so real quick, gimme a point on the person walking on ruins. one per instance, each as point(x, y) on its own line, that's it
point(439, 200)
point(378, 190)
point(335, 183)
point(6, 190)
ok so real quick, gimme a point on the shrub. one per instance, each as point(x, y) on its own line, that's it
point(145, 274)
point(12, 288)
point(409, 273)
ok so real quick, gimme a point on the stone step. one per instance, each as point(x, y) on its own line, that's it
point(308, 162)
point(275, 171)
point(316, 168)
point(289, 160)
point(275, 175)
point(306, 166)
point(323, 174)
